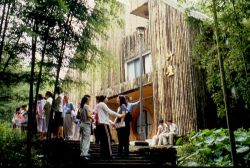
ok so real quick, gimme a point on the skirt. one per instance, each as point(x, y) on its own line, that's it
point(58, 120)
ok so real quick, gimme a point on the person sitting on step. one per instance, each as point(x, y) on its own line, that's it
point(162, 129)
point(168, 138)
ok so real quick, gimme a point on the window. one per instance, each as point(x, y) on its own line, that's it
point(147, 63)
point(133, 66)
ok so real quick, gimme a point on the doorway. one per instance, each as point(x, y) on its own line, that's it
point(143, 128)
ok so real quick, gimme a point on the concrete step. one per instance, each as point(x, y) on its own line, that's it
point(132, 155)
point(121, 165)
point(113, 162)
point(67, 153)
point(128, 161)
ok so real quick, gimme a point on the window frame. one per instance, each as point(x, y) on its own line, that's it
point(144, 54)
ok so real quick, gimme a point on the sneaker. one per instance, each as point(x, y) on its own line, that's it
point(86, 158)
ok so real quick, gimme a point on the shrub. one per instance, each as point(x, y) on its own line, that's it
point(13, 148)
point(212, 148)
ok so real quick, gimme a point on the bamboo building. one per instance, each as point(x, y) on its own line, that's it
point(173, 86)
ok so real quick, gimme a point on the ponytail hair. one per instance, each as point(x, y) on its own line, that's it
point(122, 100)
point(84, 100)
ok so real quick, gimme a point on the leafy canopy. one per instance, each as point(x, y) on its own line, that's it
point(234, 43)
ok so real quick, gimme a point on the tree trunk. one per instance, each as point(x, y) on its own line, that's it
point(30, 111)
point(62, 49)
point(11, 55)
point(4, 30)
point(42, 60)
point(41, 67)
point(223, 86)
point(40, 76)
point(2, 19)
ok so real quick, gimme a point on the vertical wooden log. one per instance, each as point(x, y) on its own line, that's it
point(177, 95)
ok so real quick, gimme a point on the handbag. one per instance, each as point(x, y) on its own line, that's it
point(119, 125)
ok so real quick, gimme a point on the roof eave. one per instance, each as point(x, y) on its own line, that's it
point(195, 14)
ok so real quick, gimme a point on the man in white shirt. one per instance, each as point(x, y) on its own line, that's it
point(173, 131)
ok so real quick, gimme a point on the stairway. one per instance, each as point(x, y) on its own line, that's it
point(67, 154)
point(134, 160)
point(59, 153)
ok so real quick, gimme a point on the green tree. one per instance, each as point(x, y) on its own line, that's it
point(234, 44)
point(58, 29)
point(49, 35)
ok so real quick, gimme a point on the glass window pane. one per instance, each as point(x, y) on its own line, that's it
point(133, 67)
point(130, 71)
point(148, 64)
point(137, 68)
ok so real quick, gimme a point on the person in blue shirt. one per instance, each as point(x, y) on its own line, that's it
point(128, 116)
point(68, 111)
point(131, 106)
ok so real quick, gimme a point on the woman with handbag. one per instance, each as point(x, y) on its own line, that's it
point(120, 124)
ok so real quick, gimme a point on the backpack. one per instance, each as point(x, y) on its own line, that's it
point(128, 116)
point(78, 115)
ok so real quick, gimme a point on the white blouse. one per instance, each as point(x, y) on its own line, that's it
point(104, 112)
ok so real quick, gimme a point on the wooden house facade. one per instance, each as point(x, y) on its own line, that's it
point(173, 86)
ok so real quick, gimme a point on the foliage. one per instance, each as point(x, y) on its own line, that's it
point(234, 43)
point(65, 25)
point(212, 148)
point(65, 30)
point(11, 98)
point(12, 147)
point(14, 96)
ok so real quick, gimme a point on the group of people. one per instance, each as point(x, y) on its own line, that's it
point(100, 117)
point(20, 118)
point(64, 124)
point(43, 108)
point(166, 133)
point(69, 123)
point(61, 116)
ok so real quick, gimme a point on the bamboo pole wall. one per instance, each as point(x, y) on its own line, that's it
point(180, 97)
